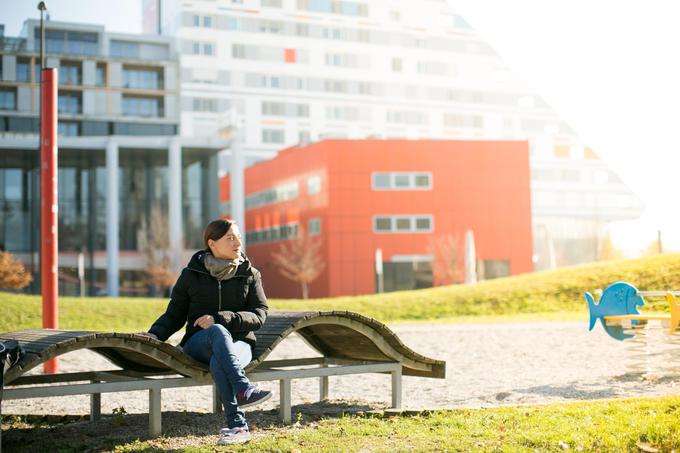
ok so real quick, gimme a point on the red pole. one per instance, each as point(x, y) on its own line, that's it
point(48, 223)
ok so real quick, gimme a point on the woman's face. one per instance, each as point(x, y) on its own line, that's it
point(228, 247)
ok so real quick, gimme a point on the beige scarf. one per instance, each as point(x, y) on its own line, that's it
point(219, 268)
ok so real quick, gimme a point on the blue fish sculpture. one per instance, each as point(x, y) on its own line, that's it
point(619, 298)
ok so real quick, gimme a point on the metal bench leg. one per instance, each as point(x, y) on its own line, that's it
point(396, 387)
point(95, 404)
point(284, 401)
point(323, 388)
point(155, 412)
point(217, 400)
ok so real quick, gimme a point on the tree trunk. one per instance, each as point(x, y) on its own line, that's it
point(305, 290)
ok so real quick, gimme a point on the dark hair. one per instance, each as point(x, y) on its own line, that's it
point(215, 230)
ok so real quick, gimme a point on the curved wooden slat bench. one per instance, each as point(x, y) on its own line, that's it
point(348, 343)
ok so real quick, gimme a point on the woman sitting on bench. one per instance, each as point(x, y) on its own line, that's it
point(219, 296)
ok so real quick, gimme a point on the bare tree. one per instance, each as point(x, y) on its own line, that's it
point(446, 254)
point(13, 274)
point(156, 250)
point(300, 260)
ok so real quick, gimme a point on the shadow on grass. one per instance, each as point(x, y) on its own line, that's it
point(75, 433)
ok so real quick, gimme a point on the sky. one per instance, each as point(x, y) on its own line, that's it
point(607, 67)
point(610, 69)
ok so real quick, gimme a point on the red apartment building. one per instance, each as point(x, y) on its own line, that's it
point(358, 196)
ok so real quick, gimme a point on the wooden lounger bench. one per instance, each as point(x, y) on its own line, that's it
point(348, 342)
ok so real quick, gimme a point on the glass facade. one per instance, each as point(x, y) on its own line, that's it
point(23, 70)
point(82, 200)
point(70, 102)
point(8, 99)
point(70, 73)
point(82, 185)
point(68, 42)
point(18, 179)
point(100, 75)
point(142, 106)
point(196, 210)
point(148, 79)
point(403, 276)
point(143, 182)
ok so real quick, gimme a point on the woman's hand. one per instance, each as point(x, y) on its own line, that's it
point(204, 321)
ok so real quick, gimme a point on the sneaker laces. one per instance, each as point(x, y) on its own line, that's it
point(249, 391)
point(226, 432)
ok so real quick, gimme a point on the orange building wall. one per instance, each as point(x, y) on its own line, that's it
point(483, 186)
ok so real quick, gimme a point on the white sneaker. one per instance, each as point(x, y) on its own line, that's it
point(231, 436)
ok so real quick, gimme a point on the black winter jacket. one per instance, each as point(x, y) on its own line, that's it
point(239, 304)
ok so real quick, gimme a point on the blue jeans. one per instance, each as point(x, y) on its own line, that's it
point(226, 357)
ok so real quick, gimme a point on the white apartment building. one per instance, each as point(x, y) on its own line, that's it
point(303, 70)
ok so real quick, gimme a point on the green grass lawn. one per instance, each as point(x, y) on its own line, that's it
point(649, 424)
point(553, 294)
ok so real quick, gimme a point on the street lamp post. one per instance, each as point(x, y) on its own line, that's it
point(49, 281)
point(42, 7)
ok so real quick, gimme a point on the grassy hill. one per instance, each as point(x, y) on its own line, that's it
point(540, 293)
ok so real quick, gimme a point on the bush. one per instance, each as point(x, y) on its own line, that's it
point(13, 275)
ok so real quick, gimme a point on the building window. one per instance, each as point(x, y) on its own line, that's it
point(23, 70)
point(206, 21)
point(460, 120)
point(420, 223)
point(313, 185)
point(345, 60)
point(203, 48)
point(304, 137)
point(276, 136)
point(406, 117)
point(8, 99)
point(423, 224)
point(314, 227)
point(343, 7)
point(68, 42)
point(68, 128)
point(124, 49)
point(285, 109)
point(382, 224)
point(277, 194)
point(142, 78)
point(70, 73)
point(70, 103)
point(396, 64)
point(382, 181)
point(402, 223)
point(489, 269)
point(401, 181)
point(346, 113)
point(205, 105)
point(269, 53)
point(100, 75)
point(142, 106)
